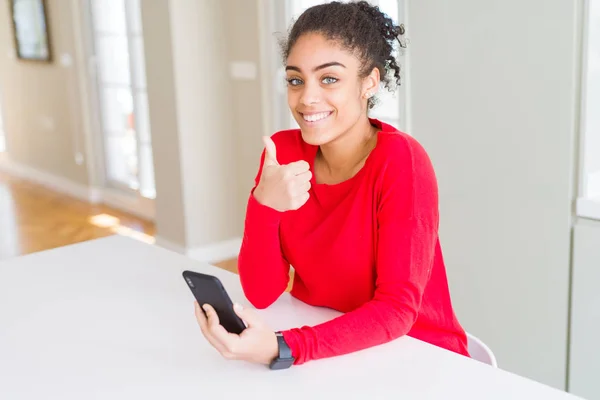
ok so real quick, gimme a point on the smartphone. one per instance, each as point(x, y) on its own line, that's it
point(208, 289)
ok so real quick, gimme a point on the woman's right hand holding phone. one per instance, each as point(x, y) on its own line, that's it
point(282, 187)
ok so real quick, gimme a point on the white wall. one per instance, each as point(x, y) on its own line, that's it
point(245, 100)
point(192, 134)
point(203, 99)
point(170, 214)
point(493, 94)
point(41, 103)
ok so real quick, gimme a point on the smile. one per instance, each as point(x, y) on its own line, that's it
point(316, 117)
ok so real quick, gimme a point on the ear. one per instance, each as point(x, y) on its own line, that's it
point(370, 84)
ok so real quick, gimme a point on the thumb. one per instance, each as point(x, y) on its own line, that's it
point(249, 316)
point(270, 151)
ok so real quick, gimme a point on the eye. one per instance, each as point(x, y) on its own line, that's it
point(294, 81)
point(329, 80)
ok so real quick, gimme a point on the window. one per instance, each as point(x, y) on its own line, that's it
point(589, 202)
point(391, 106)
point(123, 99)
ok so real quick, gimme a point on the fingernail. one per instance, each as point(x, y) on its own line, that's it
point(238, 306)
point(205, 307)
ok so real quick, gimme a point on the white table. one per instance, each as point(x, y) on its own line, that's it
point(113, 319)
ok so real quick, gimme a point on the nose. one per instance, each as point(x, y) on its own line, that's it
point(311, 94)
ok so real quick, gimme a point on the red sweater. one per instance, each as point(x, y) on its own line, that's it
point(367, 247)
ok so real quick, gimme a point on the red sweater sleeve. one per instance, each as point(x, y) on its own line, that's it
point(407, 218)
point(264, 272)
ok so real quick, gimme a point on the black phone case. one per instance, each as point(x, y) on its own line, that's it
point(208, 289)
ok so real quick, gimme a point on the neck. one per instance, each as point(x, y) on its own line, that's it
point(349, 149)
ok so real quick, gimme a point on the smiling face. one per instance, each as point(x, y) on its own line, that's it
point(326, 95)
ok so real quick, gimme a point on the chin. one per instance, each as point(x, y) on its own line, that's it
point(316, 137)
point(310, 138)
point(316, 134)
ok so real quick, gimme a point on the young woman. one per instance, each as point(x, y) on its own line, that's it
point(349, 201)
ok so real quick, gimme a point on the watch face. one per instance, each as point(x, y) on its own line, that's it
point(282, 363)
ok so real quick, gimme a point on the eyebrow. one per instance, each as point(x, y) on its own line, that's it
point(322, 66)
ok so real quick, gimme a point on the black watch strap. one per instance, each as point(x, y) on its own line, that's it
point(284, 350)
point(284, 359)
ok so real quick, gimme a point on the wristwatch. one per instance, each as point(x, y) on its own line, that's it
point(284, 359)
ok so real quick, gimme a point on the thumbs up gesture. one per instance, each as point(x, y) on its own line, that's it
point(282, 187)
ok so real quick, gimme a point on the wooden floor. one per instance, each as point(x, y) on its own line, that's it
point(34, 218)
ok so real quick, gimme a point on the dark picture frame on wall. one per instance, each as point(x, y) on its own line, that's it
point(30, 30)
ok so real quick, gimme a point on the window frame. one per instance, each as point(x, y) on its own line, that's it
point(587, 206)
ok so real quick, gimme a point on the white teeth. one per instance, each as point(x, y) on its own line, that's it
point(316, 117)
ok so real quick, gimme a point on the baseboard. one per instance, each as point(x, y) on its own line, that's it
point(211, 253)
point(216, 252)
point(129, 204)
point(166, 244)
point(49, 180)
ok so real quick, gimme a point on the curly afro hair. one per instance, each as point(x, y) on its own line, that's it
point(358, 27)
